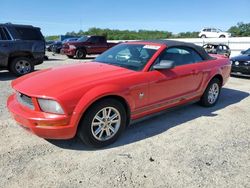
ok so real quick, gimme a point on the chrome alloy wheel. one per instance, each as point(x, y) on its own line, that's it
point(106, 123)
point(23, 67)
point(213, 93)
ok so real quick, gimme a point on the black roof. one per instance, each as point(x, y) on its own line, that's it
point(174, 43)
point(17, 25)
point(215, 44)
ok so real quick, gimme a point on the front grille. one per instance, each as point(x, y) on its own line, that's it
point(25, 100)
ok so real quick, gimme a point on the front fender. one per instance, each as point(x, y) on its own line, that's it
point(97, 93)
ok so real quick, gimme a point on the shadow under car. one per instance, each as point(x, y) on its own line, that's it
point(161, 122)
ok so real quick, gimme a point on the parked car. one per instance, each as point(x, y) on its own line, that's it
point(48, 42)
point(86, 45)
point(49, 45)
point(241, 64)
point(21, 48)
point(217, 49)
point(213, 33)
point(97, 100)
point(56, 46)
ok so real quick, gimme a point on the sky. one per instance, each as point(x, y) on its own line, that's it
point(56, 17)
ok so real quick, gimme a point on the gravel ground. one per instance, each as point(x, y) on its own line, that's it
point(189, 147)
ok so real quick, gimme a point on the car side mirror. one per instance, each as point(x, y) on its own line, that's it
point(164, 64)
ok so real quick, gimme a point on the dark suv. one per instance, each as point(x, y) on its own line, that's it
point(21, 48)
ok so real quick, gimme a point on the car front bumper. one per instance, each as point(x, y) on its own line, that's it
point(45, 125)
point(240, 70)
point(69, 52)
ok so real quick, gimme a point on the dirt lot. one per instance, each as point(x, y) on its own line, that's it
point(189, 147)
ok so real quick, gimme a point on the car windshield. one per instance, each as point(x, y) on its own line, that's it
point(130, 56)
point(83, 39)
point(247, 52)
point(69, 39)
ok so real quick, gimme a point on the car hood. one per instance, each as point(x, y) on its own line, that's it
point(54, 82)
point(243, 57)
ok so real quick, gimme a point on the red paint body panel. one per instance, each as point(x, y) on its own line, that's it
point(90, 47)
point(76, 87)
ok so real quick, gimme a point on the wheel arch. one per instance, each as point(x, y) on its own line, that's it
point(82, 48)
point(96, 95)
point(218, 76)
point(118, 98)
point(14, 55)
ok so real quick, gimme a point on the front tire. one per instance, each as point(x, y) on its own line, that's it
point(21, 66)
point(103, 123)
point(80, 54)
point(203, 36)
point(211, 95)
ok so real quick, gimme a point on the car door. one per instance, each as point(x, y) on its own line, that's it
point(208, 33)
point(214, 33)
point(5, 44)
point(98, 44)
point(181, 82)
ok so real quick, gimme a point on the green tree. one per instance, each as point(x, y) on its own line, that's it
point(240, 30)
point(53, 37)
point(123, 34)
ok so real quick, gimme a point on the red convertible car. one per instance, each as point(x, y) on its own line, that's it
point(97, 100)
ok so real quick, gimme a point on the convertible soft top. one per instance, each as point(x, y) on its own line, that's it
point(173, 43)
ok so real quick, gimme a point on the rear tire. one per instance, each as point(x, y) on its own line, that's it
point(211, 95)
point(203, 36)
point(222, 36)
point(80, 54)
point(102, 123)
point(21, 66)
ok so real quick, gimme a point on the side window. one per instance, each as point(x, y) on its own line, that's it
point(27, 33)
point(1, 34)
point(208, 30)
point(196, 56)
point(102, 40)
point(4, 35)
point(220, 47)
point(94, 39)
point(180, 56)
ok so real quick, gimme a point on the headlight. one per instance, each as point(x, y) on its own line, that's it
point(72, 47)
point(247, 63)
point(50, 106)
point(237, 63)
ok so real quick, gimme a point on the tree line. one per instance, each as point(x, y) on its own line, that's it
point(239, 30)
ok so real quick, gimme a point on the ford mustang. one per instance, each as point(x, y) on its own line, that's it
point(97, 100)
